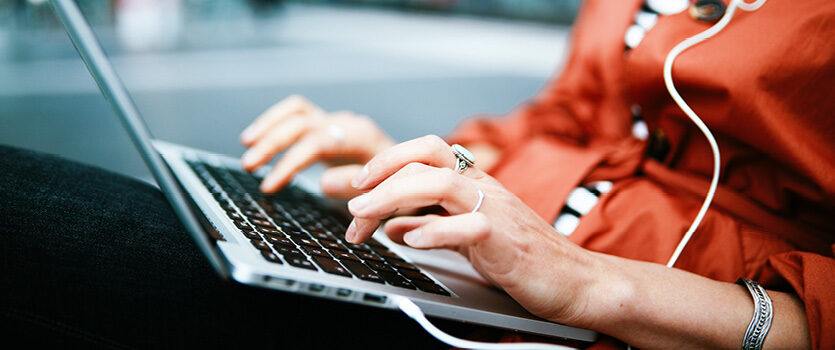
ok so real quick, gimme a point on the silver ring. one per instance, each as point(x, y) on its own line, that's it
point(480, 200)
point(464, 158)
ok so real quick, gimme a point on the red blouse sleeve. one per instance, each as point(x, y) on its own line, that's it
point(813, 278)
point(579, 119)
point(584, 104)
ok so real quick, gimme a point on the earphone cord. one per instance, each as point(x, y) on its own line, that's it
point(668, 81)
point(413, 311)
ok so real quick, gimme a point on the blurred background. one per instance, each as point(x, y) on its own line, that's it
point(201, 70)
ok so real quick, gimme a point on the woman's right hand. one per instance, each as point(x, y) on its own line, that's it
point(309, 134)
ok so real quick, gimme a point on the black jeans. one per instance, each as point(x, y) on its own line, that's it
point(97, 259)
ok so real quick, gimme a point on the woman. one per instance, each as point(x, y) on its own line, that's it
point(762, 85)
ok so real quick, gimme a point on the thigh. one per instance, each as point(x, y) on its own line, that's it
point(92, 257)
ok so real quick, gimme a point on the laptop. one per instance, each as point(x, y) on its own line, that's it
point(293, 241)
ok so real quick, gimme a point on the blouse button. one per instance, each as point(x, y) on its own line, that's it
point(708, 10)
point(634, 35)
point(667, 7)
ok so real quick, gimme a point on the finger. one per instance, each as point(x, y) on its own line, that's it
point(284, 109)
point(361, 230)
point(450, 232)
point(276, 140)
point(430, 150)
point(336, 181)
point(309, 149)
point(397, 227)
point(417, 186)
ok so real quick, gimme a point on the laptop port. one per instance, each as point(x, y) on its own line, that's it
point(316, 288)
point(342, 292)
point(374, 298)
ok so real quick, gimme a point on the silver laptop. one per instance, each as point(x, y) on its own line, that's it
point(293, 241)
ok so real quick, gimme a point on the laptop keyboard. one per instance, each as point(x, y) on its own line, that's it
point(289, 227)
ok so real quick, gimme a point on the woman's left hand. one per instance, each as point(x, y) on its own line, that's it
point(505, 240)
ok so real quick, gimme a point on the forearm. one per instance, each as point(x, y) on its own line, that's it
point(652, 306)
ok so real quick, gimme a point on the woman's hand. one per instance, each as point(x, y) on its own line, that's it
point(505, 240)
point(309, 134)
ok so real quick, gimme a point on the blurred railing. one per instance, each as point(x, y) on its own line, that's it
point(29, 29)
point(557, 11)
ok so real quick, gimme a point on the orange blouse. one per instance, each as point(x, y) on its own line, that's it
point(765, 86)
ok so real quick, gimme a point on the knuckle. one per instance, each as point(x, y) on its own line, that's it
point(432, 140)
point(295, 98)
point(481, 225)
point(413, 168)
point(342, 114)
point(363, 120)
point(448, 180)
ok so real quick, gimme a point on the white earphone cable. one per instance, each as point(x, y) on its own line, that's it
point(668, 81)
point(412, 310)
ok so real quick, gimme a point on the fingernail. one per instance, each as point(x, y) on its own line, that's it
point(269, 183)
point(351, 232)
point(412, 237)
point(358, 203)
point(360, 177)
point(249, 159)
point(247, 135)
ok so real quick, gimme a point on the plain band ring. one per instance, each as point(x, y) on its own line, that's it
point(480, 200)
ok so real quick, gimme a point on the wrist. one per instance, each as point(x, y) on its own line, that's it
point(607, 292)
point(585, 287)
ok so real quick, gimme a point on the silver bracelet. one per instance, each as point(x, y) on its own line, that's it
point(763, 313)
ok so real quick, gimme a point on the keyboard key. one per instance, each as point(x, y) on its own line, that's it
point(333, 246)
point(287, 225)
point(401, 265)
point(226, 205)
point(387, 254)
point(241, 224)
point(315, 251)
point(251, 234)
point(430, 287)
point(279, 240)
point(296, 233)
point(415, 276)
point(269, 230)
point(287, 250)
point(270, 256)
point(374, 244)
point(396, 280)
point(261, 245)
point(357, 247)
point(306, 241)
point(235, 215)
point(368, 256)
point(262, 223)
point(378, 266)
point(362, 271)
point(256, 215)
point(299, 261)
point(322, 236)
point(331, 266)
point(342, 256)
